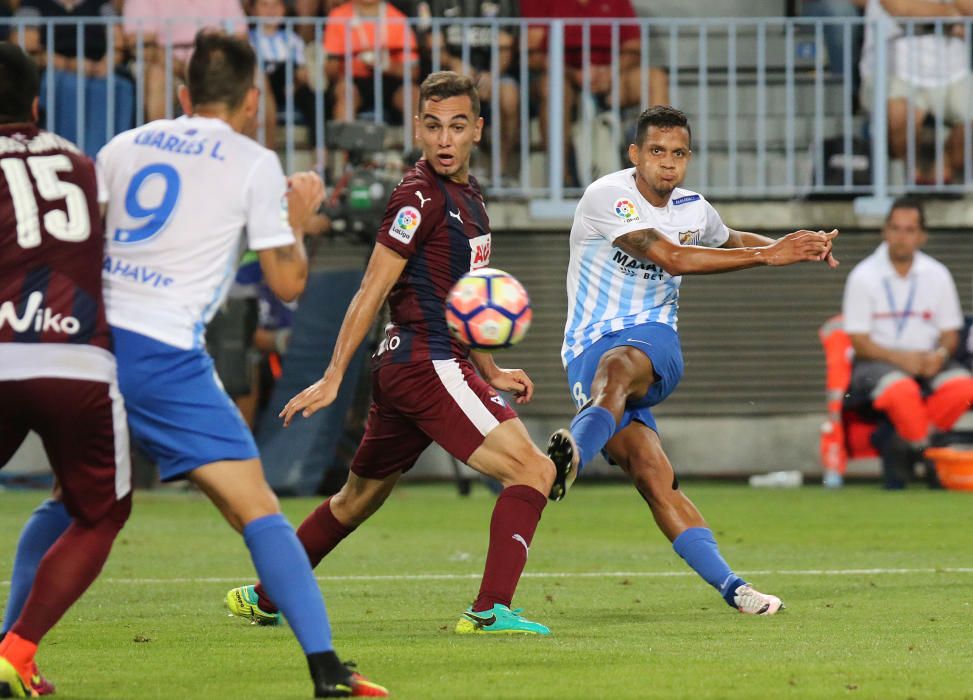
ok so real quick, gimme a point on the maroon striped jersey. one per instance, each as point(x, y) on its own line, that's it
point(441, 227)
point(52, 242)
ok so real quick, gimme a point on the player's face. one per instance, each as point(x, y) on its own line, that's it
point(447, 130)
point(904, 234)
point(661, 162)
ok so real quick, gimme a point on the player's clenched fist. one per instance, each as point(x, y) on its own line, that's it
point(305, 192)
point(801, 246)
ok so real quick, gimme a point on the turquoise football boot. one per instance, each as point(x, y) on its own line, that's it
point(498, 620)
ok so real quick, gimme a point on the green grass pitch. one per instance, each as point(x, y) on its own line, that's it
point(881, 610)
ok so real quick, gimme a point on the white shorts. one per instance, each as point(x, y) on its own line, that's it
point(953, 101)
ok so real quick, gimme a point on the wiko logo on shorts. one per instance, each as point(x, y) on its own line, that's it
point(37, 318)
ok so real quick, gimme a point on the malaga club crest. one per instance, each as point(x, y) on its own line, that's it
point(625, 210)
point(404, 226)
point(689, 237)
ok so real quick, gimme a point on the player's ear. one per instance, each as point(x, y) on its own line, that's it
point(633, 153)
point(184, 101)
point(478, 134)
point(35, 109)
point(252, 100)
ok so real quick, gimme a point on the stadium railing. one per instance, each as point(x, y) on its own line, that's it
point(769, 121)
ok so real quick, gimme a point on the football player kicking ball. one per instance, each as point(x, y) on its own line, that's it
point(635, 233)
point(425, 388)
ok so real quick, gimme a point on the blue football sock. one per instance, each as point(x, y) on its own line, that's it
point(285, 573)
point(591, 429)
point(697, 546)
point(45, 525)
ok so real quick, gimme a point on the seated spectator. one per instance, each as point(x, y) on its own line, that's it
point(65, 74)
point(479, 39)
point(276, 45)
point(933, 68)
point(600, 44)
point(321, 8)
point(377, 36)
point(173, 23)
point(311, 8)
point(902, 314)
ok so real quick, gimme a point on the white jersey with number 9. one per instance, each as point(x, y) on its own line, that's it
point(180, 193)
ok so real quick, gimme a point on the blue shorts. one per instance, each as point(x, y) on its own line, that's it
point(177, 409)
point(659, 342)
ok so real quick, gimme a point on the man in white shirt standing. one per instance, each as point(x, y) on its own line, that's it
point(903, 316)
point(928, 66)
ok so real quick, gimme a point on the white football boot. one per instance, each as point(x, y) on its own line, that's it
point(750, 601)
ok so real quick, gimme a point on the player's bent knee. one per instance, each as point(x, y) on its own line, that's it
point(623, 376)
point(121, 511)
point(114, 516)
point(532, 469)
point(257, 504)
point(355, 506)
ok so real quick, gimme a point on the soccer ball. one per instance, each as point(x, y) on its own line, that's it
point(488, 309)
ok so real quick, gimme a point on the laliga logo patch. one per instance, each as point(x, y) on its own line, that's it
point(404, 225)
point(625, 210)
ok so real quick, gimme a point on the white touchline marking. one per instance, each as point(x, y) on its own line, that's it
point(552, 574)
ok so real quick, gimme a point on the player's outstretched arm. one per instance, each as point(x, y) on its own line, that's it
point(515, 381)
point(745, 239)
point(383, 270)
point(652, 246)
point(285, 267)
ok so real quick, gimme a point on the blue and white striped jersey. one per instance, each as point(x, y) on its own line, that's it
point(609, 290)
point(280, 47)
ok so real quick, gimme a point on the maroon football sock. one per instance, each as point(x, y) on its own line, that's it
point(319, 533)
point(515, 518)
point(66, 571)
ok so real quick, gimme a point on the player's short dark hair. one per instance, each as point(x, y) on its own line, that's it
point(909, 203)
point(663, 117)
point(19, 84)
point(222, 69)
point(445, 84)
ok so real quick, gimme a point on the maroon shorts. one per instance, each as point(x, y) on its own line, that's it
point(416, 403)
point(83, 427)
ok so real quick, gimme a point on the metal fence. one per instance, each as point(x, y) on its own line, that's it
point(771, 117)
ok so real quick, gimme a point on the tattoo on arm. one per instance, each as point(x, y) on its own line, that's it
point(637, 242)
